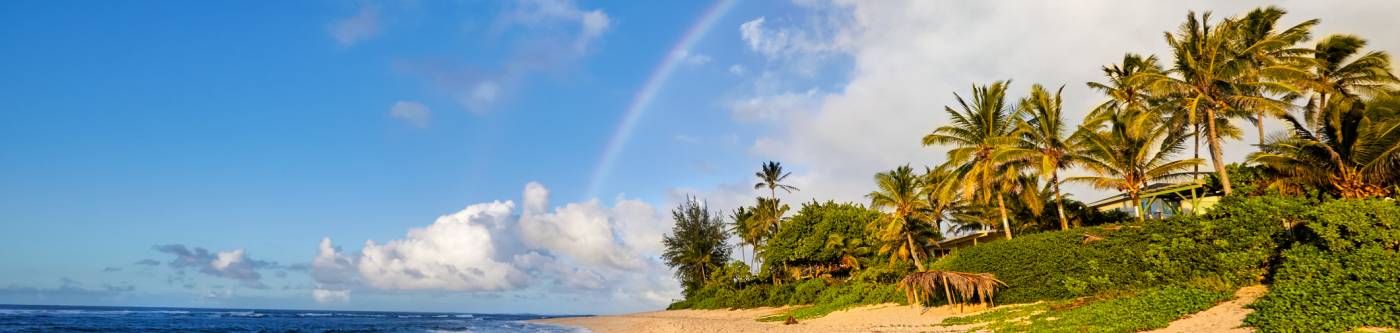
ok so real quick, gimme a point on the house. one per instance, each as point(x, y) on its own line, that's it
point(1163, 200)
point(947, 246)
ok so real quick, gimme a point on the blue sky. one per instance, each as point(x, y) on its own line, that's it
point(200, 153)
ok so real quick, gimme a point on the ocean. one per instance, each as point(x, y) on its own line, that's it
point(45, 318)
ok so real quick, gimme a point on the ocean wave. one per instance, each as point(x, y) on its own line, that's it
point(53, 312)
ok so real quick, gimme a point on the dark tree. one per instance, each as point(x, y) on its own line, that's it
point(697, 245)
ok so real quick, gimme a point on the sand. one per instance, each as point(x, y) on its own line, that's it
point(878, 318)
point(1224, 317)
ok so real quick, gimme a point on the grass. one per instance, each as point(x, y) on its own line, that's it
point(1144, 310)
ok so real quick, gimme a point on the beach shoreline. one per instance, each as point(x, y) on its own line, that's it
point(882, 318)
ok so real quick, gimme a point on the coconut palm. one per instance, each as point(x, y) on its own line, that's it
point(1044, 137)
point(1129, 150)
point(697, 244)
point(982, 140)
point(940, 186)
point(771, 176)
point(1353, 151)
point(904, 228)
point(1125, 86)
point(1274, 61)
point(742, 224)
point(1338, 71)
point(1212, 82)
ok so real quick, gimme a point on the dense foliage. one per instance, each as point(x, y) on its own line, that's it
point(1231, 245)
point(697, 246)
point(819, 234)
point(1343, 273)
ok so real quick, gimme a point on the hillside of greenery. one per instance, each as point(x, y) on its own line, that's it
point(1312, 212)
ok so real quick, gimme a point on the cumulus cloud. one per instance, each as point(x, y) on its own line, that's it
point(412, 112)
point(906, 58)
point(498, 246)
point(351, 30)
point(232, 264)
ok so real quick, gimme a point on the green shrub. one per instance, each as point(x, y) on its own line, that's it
point(1344, 273)
point(1230, 246)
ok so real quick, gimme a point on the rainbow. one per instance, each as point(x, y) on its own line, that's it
point(653, 85)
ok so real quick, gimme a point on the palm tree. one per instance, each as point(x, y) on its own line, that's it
point(1129, 150)
point(771, 176)
point(697, 244)
point(981, 136)
point(1125, 87)
point(743, 226)
point(1353, 151)
point(848, 249)
point(940, 186)
point(1212, 81)
point(1274, 62)
point(904, 228)
point(1334, 75)
point(1043, 136)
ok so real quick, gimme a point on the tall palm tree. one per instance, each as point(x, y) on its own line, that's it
point(904, 228)
point(1043, 135)
point(1274, 61)
point(982, 140)
point(1338, 71)
point(1212, 81)
point(771, 176)
point(1353, 151)
point(1129, 150)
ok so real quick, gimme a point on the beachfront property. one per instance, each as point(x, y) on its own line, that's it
point(1163, 200)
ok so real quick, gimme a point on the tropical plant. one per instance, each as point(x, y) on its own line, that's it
point(1212, 81)
point(1338, 71)
point(697, 244)
point(1353, 151)
point(1043, 136)
point(983, 144)
point(1125, 85)
point(742, 225)
point(904, 229)
point(1128, 151)
point(944, 193)
point(1274, 61)
point(771, 176)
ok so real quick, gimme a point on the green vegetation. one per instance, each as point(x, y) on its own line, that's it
point(1343, 273)
point(1144, 310)
point(1313, 213)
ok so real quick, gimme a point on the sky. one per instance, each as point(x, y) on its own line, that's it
point(486, 156)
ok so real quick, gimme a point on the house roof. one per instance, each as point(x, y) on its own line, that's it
point(1150, 191)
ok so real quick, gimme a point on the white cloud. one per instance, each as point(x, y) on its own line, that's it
point(692, 59)
point(576, 248)
point(591, 24)
point(412, 112)
point(351, 30)
point(773, 107)
point(454, 253)
point(908, 57)
point(737, 69)
point(325, 296)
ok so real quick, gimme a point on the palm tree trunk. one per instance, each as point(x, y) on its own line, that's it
point(1137, 204)
point(913, 252)
point(1213, 140)
point(1059, 201)
point(1005, 224)
point(1196, 137)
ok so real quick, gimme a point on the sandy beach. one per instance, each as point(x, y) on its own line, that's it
point(1224, 317)
point(877, 318)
